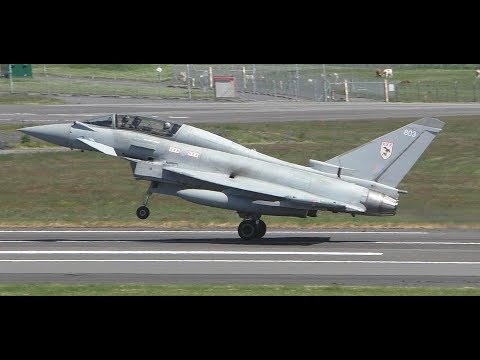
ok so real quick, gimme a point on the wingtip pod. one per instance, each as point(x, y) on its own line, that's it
point(430, 122)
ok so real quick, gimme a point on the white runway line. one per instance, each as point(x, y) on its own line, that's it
point(201, 232)
point(74, 115)
point(424, 242)
point(247, 261)
point(181, 252)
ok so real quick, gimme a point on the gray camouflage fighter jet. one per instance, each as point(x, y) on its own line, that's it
point(207, 169)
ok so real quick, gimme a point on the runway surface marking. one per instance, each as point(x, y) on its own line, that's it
point(425, 242)
point(333, 242)
point(181, 252)
point(85, 115)
point(204, 232)
point(247, 261)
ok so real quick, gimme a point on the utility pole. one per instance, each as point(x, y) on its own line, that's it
point(254, 81)
point(297, 87)
point(188, 83)
point(10, 73)
point(324, 84)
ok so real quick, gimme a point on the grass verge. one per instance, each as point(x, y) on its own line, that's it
point(25, 99)
point(227, 290)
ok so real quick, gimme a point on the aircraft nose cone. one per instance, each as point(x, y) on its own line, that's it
point(56, 133)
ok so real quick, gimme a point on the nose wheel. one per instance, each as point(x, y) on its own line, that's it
point(143, 212)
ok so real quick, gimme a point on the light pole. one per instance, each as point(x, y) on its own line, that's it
point(324, 84)
point(254, 80)
point(10, 73)
point(188, 83)
point(297, 86)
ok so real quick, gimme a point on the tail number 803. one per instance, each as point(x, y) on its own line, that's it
point(408, 132)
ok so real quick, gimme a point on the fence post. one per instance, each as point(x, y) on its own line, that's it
point(254, 72)
point(475, 92)
point(189, 86)
point(10, 75)
point(244, 77)
point(385, 83)
point(456, 91)
point(274, 88)
point(346, 90)
point(210, 77)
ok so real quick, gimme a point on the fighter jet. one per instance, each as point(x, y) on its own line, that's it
point(204, 168)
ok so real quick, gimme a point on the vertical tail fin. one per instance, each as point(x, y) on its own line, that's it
point(388, 158)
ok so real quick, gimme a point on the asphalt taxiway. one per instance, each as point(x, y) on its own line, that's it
point(445, 258)
point(234, 112)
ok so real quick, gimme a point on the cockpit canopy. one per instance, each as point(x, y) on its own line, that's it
point(152, 126)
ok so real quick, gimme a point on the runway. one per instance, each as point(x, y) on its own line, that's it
point(234, 112)
point(445, 258)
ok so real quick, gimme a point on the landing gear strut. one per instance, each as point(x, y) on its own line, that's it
point(143, 212)
point(252, 228)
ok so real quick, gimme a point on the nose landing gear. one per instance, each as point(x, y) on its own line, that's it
point(143, 212)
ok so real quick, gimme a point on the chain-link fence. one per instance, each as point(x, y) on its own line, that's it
point(334, 82)
point(435, 91)
point(315, 82)
point(138, 80)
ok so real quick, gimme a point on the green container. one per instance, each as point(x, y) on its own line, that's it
point(21, 70)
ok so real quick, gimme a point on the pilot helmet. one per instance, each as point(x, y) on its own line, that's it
point(167, 125)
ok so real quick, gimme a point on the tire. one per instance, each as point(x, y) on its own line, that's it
point(247, 230)
point(261, 229)
point(143, 212)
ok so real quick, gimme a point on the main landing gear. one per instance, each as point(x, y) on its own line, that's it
point(252, 228)
point(143, 212)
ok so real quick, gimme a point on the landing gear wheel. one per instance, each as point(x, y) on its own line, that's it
point(143, 212)
point(247, 230)
point(261, 229)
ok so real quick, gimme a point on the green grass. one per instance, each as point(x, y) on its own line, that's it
point(144, 72)
point(400, 74)
point(32, 144)
point(81, 86)
point(25, 141)
point(24, 99)
point(90, 189)
point(228, 290)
